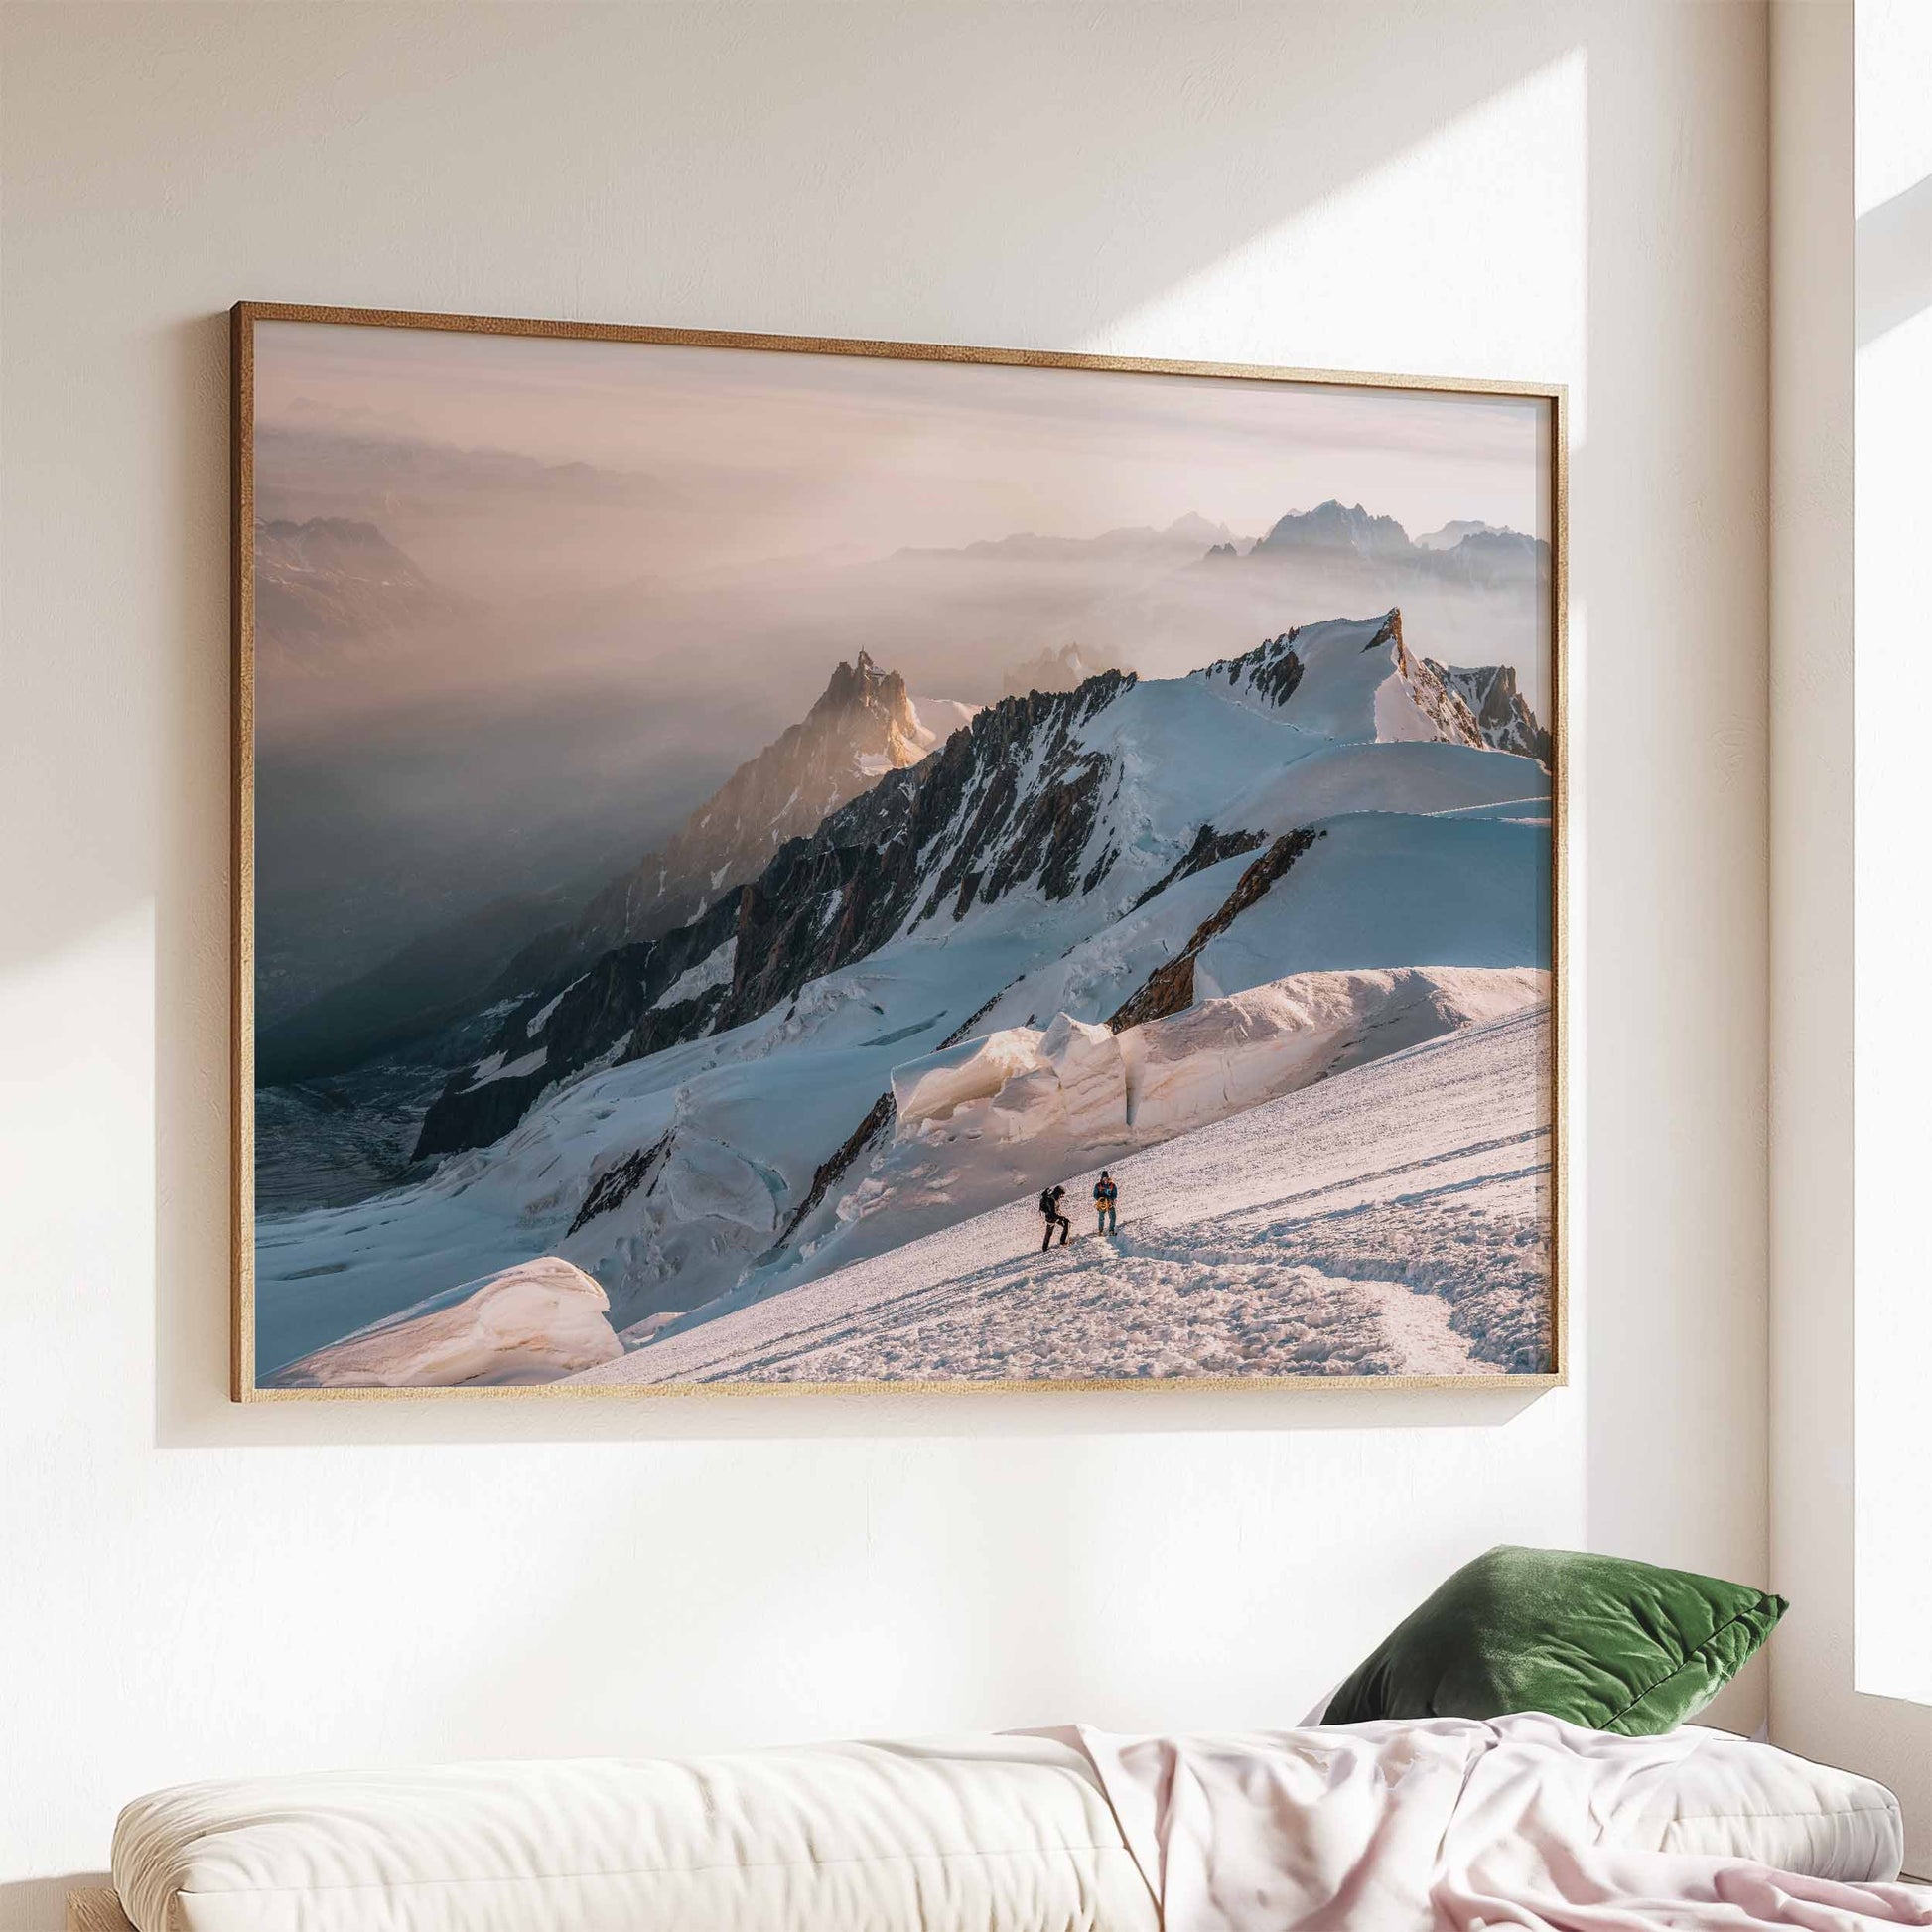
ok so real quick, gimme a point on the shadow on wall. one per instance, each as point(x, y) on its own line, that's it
point(1135, 153)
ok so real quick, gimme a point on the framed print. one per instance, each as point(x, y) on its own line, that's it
point(769, 864)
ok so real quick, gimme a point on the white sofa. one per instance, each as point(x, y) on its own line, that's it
point(981, 1834)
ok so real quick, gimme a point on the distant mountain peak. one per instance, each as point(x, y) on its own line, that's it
point(1334, 525)
point(1052, 669)
point(1197, 529)
point(861, 726)
point(1453, 533)
point(325, 543)
point(334, 581)
point(1141, 545)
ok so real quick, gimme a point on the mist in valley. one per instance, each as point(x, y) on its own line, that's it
point(523, 604)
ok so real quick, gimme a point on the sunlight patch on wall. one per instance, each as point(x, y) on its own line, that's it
point(1396, 238)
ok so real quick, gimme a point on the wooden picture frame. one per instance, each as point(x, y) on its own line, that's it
point(249, 318)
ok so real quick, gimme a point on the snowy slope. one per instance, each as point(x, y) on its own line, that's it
point(1392, 1220)
point(765, 1103)
point(1428, 776)
point(1007, 1114)
point(1387, 888)
point(1348, 679)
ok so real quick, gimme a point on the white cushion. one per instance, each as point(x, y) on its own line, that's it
point(1723, 1796)
point(983, 1835)
point(1002, 1834)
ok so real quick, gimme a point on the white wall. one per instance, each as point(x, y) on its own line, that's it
point(1892, 591)
point(1847, 1257)
point(1533, 189)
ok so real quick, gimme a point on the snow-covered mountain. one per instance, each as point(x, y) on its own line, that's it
point(705, 1115)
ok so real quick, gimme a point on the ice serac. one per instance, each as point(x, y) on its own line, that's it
point(1015, 1083)
point(1004, 1116)
point(1194, 1066)
point(1235, 1052)
point(936, 1087)
point(537, 1321)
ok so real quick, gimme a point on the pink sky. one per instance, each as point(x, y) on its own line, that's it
point(778, 454)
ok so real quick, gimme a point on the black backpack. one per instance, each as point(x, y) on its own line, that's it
point(1048, 1205)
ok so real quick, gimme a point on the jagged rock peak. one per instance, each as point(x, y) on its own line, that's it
point(1306, 672)
point(874, 709)
point(1502, 713)
point(858, 683)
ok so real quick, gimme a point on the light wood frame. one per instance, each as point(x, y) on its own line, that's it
point(243, 320)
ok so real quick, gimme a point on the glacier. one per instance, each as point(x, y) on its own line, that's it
point(1392, 1220)
point(916, 1015)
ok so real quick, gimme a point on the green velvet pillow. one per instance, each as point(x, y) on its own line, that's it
point(1594, 1640)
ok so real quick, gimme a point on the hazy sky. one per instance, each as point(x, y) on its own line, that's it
point(763, 454)
point(642, 563)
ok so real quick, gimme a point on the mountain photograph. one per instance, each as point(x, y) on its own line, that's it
point(779, 870)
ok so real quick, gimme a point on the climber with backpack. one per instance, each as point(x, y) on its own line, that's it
point(1105, 1195)
point(1049, 1208)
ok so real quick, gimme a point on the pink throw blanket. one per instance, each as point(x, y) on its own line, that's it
point(1449, 1822)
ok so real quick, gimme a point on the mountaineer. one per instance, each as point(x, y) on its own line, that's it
point(1105, 1195)
point(1049, 1208)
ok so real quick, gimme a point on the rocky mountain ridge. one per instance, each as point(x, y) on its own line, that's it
point(1010, 800)
point(1021, 799)
point(1501, 712)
